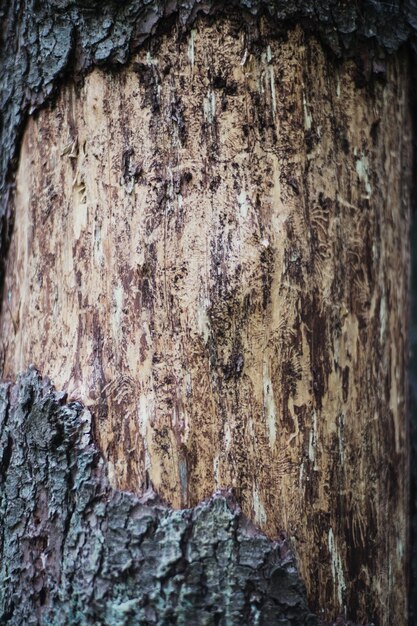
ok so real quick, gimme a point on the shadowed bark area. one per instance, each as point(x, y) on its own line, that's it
point(75, 551)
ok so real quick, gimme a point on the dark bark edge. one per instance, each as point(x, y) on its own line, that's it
point(75, 551)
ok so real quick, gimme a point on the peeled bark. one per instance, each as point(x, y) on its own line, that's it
point(210, 251)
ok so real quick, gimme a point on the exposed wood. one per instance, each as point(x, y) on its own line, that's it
point(211, 251)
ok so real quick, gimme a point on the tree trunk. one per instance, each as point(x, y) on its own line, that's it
point(210, 252)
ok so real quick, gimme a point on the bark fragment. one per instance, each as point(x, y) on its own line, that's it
point(75, 551)
point(81, 37)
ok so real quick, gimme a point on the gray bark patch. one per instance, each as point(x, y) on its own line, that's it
point(75, 551)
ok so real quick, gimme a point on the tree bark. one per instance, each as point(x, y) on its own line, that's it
point(76, 551)
point(210, 252)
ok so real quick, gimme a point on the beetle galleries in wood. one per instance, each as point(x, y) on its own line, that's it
point(210, 250)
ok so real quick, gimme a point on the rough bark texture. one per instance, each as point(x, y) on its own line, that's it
point(74, 551)
point(213, 254)
point(413, 434)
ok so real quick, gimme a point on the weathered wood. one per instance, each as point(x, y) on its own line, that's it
point(208, 273)
point(210, 252)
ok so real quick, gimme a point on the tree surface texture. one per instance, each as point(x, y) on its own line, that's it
point(41, 42)
point(306, 270)
point(75, 551)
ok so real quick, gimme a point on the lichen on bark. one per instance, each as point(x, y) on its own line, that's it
point(75, 551)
